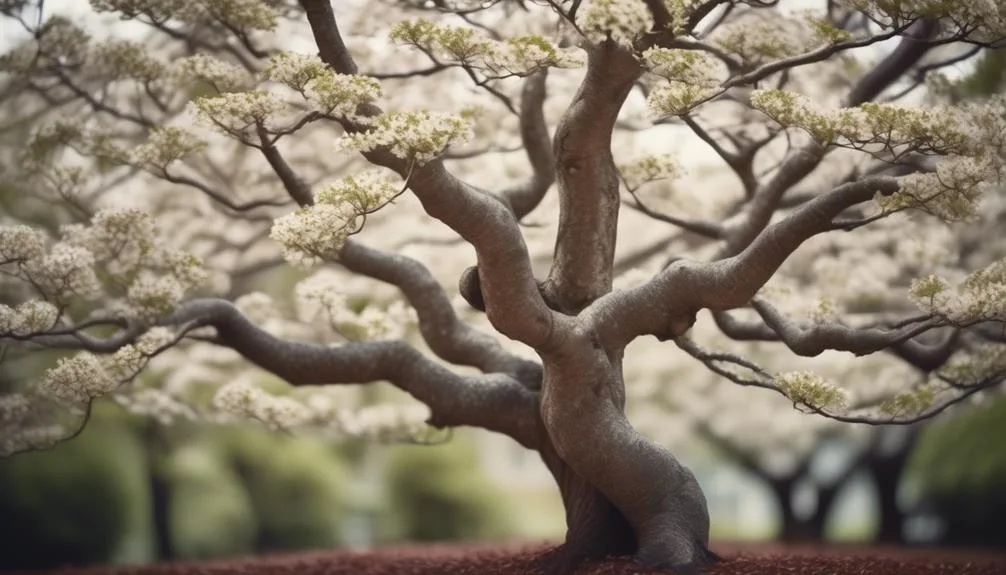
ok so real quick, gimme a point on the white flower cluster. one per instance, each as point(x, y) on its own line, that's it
point(311, 235)
point(28, 318)
point(649, 169)
point(165, 145)
point(909, 403)
point(66, 271)
point(418, 136)
point(810, 389)
point(760, 39)
point(325, 90)
point(152, 296)
point(76, 380)
point(972, 138)
point(980, 297)
point(517, 56)
point(20, 243)
point(954, 192)
point(128, 246)
point(27, 437)
point(124, 59)
point(320, 295)
point(241, 14)
point(985, 20)
point(235, 113)
point(692, 78)
point(364, 192)
point(277, 412)
point(157, 404)
point(623, 21)
point(386, 422)
point(223, 76)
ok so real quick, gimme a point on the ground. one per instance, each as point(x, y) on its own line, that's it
point(459, 559)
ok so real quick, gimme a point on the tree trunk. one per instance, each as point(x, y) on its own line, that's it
point(160, 492)
point(795, 529)
point(887, 475)
point(610, 475)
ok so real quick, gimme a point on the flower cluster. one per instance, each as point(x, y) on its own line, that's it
point(313, 234)
point(76, 380)
point(66, 271)
point(623, 21)
point(518, 55)
point(909, 403)
point(418, 136)
point(984, 20)
point(125, 59)
point(157, 404)
point(236, 112)
point(810, 389)
point(165, 145)
point(649, 169)
point(320, 295)
point(981, 296)
point(363, 192)
point(27, 318)
point(20, 243)
point(757, 39)
point(327, 91)
point(692, 78)
point(276, 412)
point(240, 14)
point(223, 76)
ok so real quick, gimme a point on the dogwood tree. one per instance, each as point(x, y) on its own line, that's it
point(188, 158)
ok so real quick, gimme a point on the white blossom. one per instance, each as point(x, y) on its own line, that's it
point(152, 296)
point(20, 243)
point(419, 136)
point(623, 21)
point(76, 380)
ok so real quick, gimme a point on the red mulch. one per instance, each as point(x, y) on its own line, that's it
point(459, 559)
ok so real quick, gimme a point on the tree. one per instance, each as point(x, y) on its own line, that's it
point(119, 124)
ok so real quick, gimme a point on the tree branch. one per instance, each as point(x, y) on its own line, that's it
point(537, 141)
point(513, 304)
point(588, 180)
point(495, 402)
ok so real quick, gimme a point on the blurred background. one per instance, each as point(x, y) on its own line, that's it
point(130, 490)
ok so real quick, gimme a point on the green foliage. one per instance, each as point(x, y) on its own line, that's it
point(210, 513)
point(75, 504)
point(295, 486)
point(960, 469)
point(988, 77)
point(441, 493)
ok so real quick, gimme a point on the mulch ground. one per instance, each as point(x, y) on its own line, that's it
point(458, 559)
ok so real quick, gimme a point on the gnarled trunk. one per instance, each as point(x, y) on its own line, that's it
point(610, 475)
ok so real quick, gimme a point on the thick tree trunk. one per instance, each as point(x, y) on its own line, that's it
point(887, 475)
point(615, 474)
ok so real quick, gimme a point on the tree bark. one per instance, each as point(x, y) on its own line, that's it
point(582, 409)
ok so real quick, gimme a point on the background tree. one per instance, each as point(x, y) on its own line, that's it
point(117, 137)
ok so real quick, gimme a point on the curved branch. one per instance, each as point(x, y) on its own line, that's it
point(666, 305)
point(448, 337)
point(513, 303)
point(537, 141)
point(495, 402)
